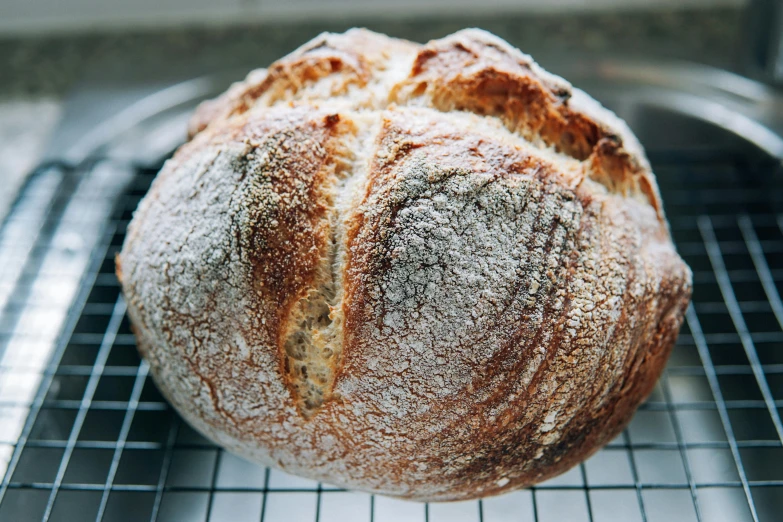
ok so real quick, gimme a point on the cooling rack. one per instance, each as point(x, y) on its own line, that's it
point(85, 435)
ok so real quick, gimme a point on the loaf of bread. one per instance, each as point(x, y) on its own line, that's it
point(429, 271)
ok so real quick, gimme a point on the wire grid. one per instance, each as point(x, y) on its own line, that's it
point(100, 443)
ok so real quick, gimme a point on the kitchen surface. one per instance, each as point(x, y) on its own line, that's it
point(92, 100)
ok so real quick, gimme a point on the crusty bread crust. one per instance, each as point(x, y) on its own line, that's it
point(436, 272)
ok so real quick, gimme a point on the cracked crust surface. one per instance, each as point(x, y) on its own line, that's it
point(429, 271)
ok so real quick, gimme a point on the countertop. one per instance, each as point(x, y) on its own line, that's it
point(39, 72)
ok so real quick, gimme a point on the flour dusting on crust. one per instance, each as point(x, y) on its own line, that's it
point(429, 271)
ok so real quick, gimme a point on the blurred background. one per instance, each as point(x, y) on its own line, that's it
point(48, 46)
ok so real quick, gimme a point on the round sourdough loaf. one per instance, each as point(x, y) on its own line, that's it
point(430, 271)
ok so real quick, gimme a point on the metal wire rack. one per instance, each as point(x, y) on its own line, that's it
point(84, 434)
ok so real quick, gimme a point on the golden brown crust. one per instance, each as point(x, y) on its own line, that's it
point(333, 64)
point(475, 71)
point(591, 267)
point(468, 285)
point(236, 99)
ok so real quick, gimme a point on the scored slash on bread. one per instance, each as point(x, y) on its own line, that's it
point(430, 271)
point(470, 70)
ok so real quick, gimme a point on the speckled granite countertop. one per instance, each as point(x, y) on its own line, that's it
point(37, 73)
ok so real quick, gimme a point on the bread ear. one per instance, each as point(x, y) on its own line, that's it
point(475, 71)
